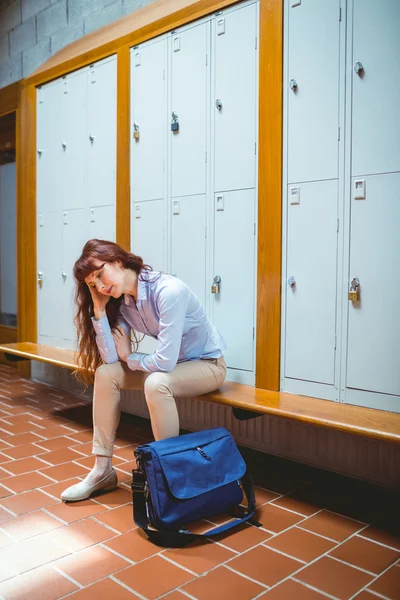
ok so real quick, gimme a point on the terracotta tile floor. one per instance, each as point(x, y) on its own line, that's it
point(323, 535)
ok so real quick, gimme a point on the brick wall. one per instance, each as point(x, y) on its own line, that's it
point(32, 30)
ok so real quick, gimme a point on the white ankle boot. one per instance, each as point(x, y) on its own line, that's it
point(82, 490)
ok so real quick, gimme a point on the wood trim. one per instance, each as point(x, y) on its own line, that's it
point(26, 215)
point(269, 196)
point(9, 98)
point(143, 24)
point(123, 148)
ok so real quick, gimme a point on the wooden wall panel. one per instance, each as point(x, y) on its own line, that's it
point(9, 98)
point(26, 215)
point(269, 195)
point(123, 147)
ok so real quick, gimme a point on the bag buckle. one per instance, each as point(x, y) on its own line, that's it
point(138, 481)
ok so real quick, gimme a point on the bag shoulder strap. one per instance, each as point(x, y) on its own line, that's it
point(182, 537)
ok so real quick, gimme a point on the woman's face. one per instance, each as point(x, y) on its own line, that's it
point(107, 278)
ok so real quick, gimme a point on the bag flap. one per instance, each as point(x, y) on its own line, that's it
point(203, 461)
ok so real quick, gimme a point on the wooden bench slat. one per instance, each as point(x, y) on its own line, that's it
point(55, 356)
point(377, 424)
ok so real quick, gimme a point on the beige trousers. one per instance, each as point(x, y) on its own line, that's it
point(191, 378)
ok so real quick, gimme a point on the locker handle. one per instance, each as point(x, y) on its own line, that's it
point(218, 103)
point(358, 67)
point(291, 281)
point(293, 84)
point(64, 275)
point(40, 278)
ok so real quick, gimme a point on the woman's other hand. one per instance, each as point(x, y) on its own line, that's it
point(122, 343)
point(99, 302)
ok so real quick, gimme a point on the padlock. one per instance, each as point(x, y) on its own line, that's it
point(216, 284)
point(353, 295)
point(354, 290)
point(175, 122)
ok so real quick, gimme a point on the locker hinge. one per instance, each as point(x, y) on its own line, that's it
point(254, 229)
point(337, 226)
point(206, 59)
point(206, 155)
point(340, 13)
point(256, 43)
point(163, 74)
point(335, 342)
point(253, 333)
point(205, 231)
point(163, 234)
point(338, 134)
point(255, 147)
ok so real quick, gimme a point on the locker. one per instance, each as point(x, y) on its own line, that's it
point(49, 291)
point(102, 222)
point(149, 117)
point(147, 233)
point(188, 243)
point(313, 103)
point(235, 100)
point(189, 96)
point(101, 133)
point(8, 244)
point(311, 282)
point(373, 322)
point(376, 87)
point(74, 237)
point(234, 263)
point(73, 142)
point(48, 147)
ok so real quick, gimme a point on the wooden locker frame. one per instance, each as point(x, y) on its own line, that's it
point(118, 37)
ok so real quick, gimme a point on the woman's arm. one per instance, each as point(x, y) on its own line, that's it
point(172, 302)
point(104, 338)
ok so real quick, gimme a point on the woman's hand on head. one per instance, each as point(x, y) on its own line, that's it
point(99, 302)
point(122, 343)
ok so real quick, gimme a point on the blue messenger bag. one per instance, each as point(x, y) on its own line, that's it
point(187, 478)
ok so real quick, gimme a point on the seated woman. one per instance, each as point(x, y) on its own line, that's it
point(117, 295)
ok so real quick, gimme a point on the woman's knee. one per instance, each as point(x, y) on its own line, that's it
point(108, 373)
point(156, 384)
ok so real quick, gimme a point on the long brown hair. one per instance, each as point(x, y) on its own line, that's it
point(88, 356)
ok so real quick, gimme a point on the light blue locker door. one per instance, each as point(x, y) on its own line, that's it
point(149, 117)
point(188, 243)
point(313, 103)
point(235, 101)
point(189, 88)
point(311, 282)
point(48, 147)
point(147, 241)
point(49, 287)
point(376, 87)
point(234, 263)
point(74, 237)
point(102, 222)
point(101, 139)
point(8, 242)
point(147, 233)
point(374, 324)
point(74, 140)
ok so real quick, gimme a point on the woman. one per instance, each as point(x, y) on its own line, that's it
point(118, 294)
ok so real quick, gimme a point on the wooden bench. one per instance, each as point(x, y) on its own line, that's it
point(249, 402)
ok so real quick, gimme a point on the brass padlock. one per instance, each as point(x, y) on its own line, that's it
point(354, 290)
point(216, 284)
point(136, 132)
point(353, 295)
